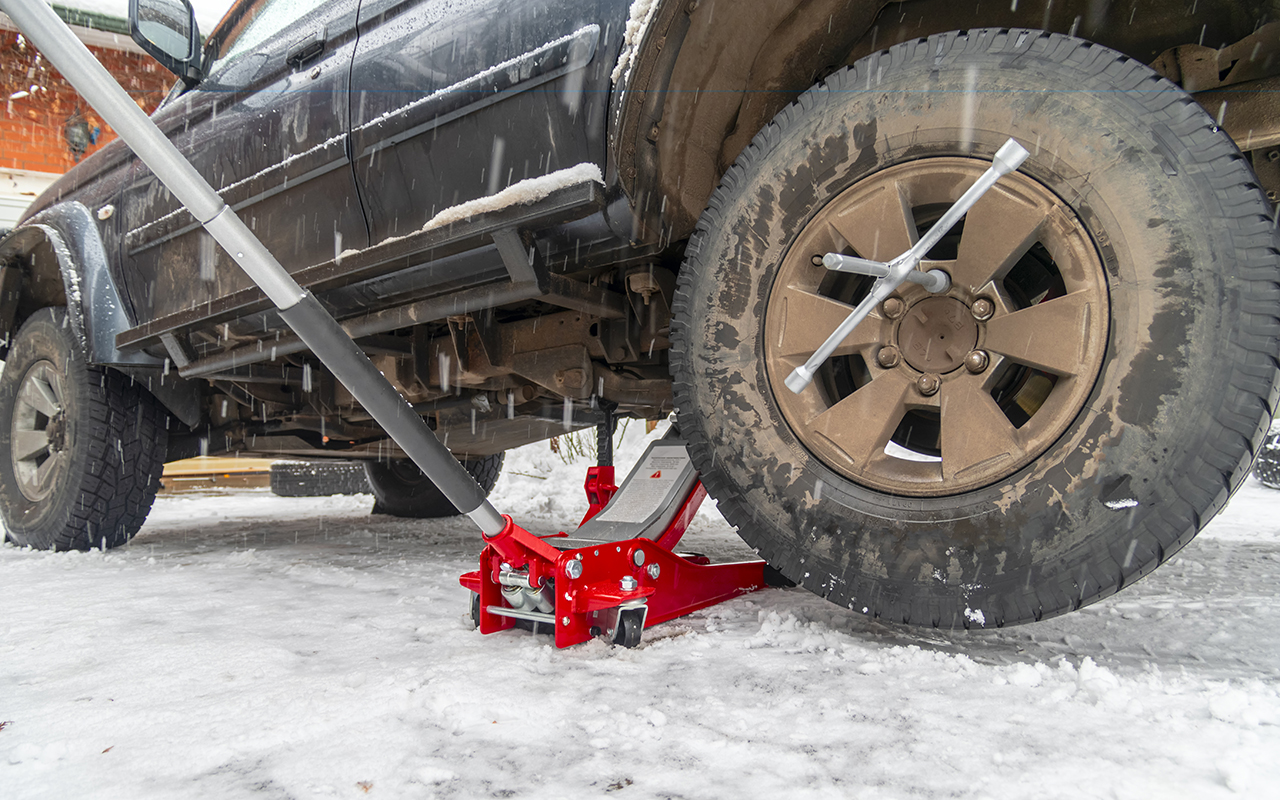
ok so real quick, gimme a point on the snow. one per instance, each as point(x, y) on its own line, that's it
point(637, 25)
point(522, 192)
point(590, 32)
point(250, 645)
point(281, 164)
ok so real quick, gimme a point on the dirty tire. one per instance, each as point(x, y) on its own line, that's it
point(85, 474)
point(1175, 408)
point(1267, 468)
point(318, 478)
point(401, 490)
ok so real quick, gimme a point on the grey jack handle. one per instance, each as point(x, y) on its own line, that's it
point(303, 313)
point(889, 276)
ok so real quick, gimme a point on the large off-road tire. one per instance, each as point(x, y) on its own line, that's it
point(81, 446)
point(401, 490)
point(1073, 410)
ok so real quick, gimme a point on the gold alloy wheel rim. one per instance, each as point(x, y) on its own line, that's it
point(934, 395)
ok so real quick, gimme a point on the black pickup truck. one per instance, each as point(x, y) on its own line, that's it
point(538, 216)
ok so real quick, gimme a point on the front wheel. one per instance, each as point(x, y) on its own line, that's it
point(81, 446)
point(1069, 413)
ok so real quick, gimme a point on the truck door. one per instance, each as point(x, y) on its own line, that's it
point(268, 127)
point(449, 105)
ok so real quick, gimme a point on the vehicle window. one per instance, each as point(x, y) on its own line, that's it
point(262, 20)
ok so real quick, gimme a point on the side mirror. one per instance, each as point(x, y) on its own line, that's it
point(166, 30)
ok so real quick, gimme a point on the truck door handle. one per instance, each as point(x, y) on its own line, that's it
point(306, 49)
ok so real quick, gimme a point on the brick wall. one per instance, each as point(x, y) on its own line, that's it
point(32, 128)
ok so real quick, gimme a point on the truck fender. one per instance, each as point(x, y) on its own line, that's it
point(94, 304)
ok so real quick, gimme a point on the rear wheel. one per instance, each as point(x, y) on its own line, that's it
point(81, 446)
point(1078, 404)
point(401, 490)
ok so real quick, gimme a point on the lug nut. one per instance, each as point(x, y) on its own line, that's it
point(927, 384)
point(628, 584)
point(983, 309)
point(816, 261)
point(976, 361)
point(888, 357)
point(893, 307)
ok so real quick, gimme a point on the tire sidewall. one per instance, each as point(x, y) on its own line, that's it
point(1171, 294)
point(43, 524)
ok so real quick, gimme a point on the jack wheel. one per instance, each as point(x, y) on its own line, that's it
point(630, 628)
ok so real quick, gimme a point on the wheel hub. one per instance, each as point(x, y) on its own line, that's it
point(938, 394)
point(57, 432)
point(936, 334)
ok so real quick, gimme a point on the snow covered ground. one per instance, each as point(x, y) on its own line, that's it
point(247, 645)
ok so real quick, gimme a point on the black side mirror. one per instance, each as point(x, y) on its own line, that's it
point(166, 29)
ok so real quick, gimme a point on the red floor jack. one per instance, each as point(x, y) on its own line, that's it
point(614, 577)
point(617, 573)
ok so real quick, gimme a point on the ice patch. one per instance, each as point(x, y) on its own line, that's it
point(975, 615)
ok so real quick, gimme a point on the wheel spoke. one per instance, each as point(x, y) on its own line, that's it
point(975, 432)
point(998, 231)
point(44, 473)
point(36, 393)
point(879, 227)
point(1052, 336)
point(807, 319)
point(27, 444)
point(860, 425)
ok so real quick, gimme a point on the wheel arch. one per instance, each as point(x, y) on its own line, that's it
point(696, 89)
point(61, 261)
point(57, 258)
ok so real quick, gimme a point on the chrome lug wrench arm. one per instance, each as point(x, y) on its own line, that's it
point(889, 276)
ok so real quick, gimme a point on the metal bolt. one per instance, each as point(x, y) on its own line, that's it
point(893, 307)
point(638, 558)
point(564, 621)
point(983, 309)
point(573, 569)
point(654, 571)
point(976, 361)
point(888, 357)
point(927, 384)
point(629, 584)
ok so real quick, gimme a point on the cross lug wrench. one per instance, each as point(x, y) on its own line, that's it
point(892, 274)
